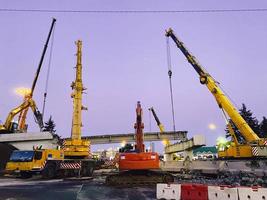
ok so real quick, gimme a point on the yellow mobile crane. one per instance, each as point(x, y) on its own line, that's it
point(74, 159)
point(254, 146)
point(9, 126)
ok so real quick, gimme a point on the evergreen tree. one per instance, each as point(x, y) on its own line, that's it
point(263, 128)
point(250, 119)
point(50, 125)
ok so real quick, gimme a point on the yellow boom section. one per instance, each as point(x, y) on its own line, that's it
point(222, 100)
point(77, 147)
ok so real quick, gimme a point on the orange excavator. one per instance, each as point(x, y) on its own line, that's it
point(137, 167)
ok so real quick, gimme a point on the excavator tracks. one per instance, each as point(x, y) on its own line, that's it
point(139, 177)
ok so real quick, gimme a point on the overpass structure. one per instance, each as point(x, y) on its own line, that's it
point(26, 141)
point(185, 146)
point(130, 137)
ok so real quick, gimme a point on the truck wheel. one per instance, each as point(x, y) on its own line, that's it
point(49, 172)
point(25, 175)
point(90, 171)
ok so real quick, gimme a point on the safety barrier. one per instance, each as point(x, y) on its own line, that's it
point(204, 192)
point(168, 191)
point(194, 192)
point(252, 193)
point(222, 193)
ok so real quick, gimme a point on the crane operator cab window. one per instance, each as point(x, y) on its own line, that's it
point(21, 156)
point(38, 155)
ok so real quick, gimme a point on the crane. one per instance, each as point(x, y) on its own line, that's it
point(75, 146)
point(74, 159)
point(138, 166)
point(160, 125)
point(254, 145)
point(9, 126)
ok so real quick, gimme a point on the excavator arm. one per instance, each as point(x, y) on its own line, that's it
point(223, 101)
point(28, 101)
point(160, 125)
point(24, 106)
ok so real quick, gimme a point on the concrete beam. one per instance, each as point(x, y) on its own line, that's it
point(196, 141)
point(15, 137)
point(26, 141)
point(130, 137)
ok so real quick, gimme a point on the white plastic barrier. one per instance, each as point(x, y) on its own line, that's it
point(168, 191)
point(254, 193)
point(222, 193)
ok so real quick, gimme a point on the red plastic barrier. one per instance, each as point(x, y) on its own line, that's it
point(194, 192)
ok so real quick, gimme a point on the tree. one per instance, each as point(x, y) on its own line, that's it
point(50, 125)
point(250, 119)
point(263, 128)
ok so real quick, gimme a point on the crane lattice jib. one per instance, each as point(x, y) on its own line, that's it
point(77, 87)
point(222, 100)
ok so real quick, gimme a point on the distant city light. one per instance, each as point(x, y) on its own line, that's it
point(22, 91)
point(212, 126)
point(123, 143)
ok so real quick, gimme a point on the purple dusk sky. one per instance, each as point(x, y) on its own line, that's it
point(124, 60)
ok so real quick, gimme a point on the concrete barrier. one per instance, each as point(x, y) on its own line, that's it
point(168, 191)
point(222, 193)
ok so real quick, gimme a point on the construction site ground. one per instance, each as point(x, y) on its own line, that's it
point(12, 188)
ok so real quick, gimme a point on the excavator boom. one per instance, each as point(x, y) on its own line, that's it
point(160, 125)
point(28, 101)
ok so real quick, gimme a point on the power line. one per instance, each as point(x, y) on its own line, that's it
point(134, 11)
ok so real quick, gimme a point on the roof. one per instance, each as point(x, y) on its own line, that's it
point(205, 150)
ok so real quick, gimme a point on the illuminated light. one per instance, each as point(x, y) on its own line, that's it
point(122, 157)
point(222, 143)
point(212, 126)
point(123, 143)
point(153, 157)
point(22, 91)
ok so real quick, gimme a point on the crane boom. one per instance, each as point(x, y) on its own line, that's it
point(78, 88)
point(76, 147)
point(222, 100)
point(42, 57)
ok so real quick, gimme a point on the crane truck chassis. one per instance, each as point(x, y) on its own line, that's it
point(50, 163)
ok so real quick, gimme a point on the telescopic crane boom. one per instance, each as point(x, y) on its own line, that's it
point(223, 101)
point(77, 147)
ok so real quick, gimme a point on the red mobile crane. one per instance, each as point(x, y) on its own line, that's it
point(137, 166)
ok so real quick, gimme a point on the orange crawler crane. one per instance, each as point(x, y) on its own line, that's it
point(136, 166)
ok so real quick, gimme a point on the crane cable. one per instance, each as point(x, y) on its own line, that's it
point(170, 79)
point(48, 72)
